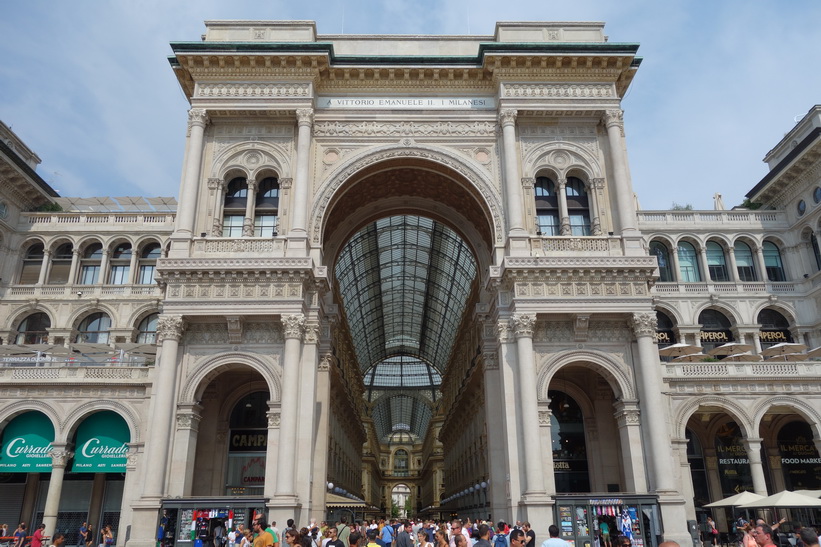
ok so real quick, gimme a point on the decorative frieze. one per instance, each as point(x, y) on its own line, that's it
point(239, 245)
point(251, 90)
point(559, 91)
point(568, 288)
point(405, 129)
point(218, 334)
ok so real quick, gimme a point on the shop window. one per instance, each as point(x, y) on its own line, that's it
point(32, 263)
point(665, 336)
point(234, 207)
point(147, 330)
point(60, 265)
point(744, 261)
point(688, 263)
point(772, 261)
point(34, 329)
point(578, 206)
point(266, 208)
point(775, 328)
point(733, 461)
point(94, 329)
point(716, 263)
point(90, 264)
point(568, 444)
point(120, 264)
point(799, 457)
point(662, 254)
point(247, 445)
point(148, 263)
point(715, 329)
point(400, 463)
point(547, 207)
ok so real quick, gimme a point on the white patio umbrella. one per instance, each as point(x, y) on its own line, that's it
point(134, 347)
point(736, 500)
point(783, 348)
point(814, 352)
point(730, 348)
point(743, 357)
point(788, 357)
point(88, 348)
point(14, 349)
point(691, 358)
point(54, 349)
point(785, 498)
point(677, 350)
point(810, 493)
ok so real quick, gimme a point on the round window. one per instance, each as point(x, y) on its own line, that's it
point(802, 207)
point(816, 194)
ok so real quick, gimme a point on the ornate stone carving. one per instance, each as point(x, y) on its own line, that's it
point(188, 420)
point(311, 334)
point(216, 227)
point(273, 418)
point(558, 91)
point(247, 227)
point(503, 330)
point(197, 117)
point(60, 457)
point(523, 324)
point(252, 90)
point(215, 183)
point(614, 118)
point(206, 333)
point(305, 116)
point(544, 417)
point(325, 362)
point(528, 183)
point(285, 183)
point(170, 326)
point(404, 129)
point(490, 360)
point(644, 324)
point(234, 328)
point(507, 116)
point(294, 325)
point(581, 324)
point(133, 456)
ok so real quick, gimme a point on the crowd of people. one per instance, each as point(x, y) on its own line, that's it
point(761, 534)
point(22, 538)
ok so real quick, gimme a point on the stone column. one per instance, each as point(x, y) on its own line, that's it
point(527, 192)
point(513, 189)
point(523, 325)
point(103, 276)
point(250, 205)
point(753, 447)
point(305, 120)
point(652, 399)
point(294, 327)
point(306, 426)
point(132, 267)
point(676, 264)
point(274, 420)
point(59, 458)
point(629, 423)
point(614, 122)
point(760, 263)
point(181, 476)
point(595, 219)
point(131, 484)
point(703, 265)
point(564, 216)
point(169, 333)
point(733, 273)
point(189, 189)
point(44, 267)
point(217, 186)
point(545, 436)
point(75, 263)
point(320, 464)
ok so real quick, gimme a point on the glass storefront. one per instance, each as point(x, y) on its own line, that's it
point(191, 522)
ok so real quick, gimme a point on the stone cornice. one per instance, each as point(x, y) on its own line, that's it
point(168, 265)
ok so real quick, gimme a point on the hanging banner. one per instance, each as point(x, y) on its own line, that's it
point(26, 444)
point(102, 444)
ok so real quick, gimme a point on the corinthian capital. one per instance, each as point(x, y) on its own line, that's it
point(305, 116)
point(170, 326)
point(644, 324)
point(507, 116)
point(294, 325)
point(197, 117)
point(614, 118)
point(59, 457)
point(523, 324)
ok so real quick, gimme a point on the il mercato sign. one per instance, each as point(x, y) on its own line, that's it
point(408, 103)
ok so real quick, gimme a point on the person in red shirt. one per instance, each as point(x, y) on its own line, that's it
point(38, 537)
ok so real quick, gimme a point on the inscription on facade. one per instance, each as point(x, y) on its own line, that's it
point(412, 103)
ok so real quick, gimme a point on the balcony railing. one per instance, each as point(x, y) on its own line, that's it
point(731, 288)
point(83, 291)
point(92, 373)
point(797, 369)
point(68, 220)
point(664, 220)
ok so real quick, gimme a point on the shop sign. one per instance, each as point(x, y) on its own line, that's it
point(407, 103)
point(801, 464)
point(102, 444)
point(569, 465)
point(664, 337)
point(774, 336)
point(721, 336)
point(733, 461)
point(26, 444)
point(606, 501)
point(248, 440)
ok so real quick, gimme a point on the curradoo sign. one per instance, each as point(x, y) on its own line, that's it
point(26, 444)
point(101, 444)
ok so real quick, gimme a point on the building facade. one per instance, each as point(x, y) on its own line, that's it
point(405, 270)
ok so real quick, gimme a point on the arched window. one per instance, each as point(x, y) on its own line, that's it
point(34, 329)
point(688, 263)
point(775, 328)
point(547, 207)
point(715, 329)
point(744, 261)
point(248, 445)
point(148, 263)
point(665, 335)
point(772, 261)
point(147, 331)
point(816, 251)
point(568, 444)
point(698, 469)
point(94, 329)
point(400, 463)
point(716, 262)
point(266, 208)
point(32, 264)
point(60, 265)
point(236, 199)
point(662, 254)
point(578, 206)
point(799, 457)
point(90, 265)
point(120, 264)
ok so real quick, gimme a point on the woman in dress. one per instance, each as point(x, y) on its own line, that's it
point(712, 530)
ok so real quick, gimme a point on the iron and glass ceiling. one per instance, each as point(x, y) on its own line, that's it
point(404, 282)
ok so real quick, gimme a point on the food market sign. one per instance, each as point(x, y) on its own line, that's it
point(26, 444)
point(102, 444)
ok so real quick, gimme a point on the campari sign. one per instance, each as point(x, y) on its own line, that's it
point(101, 444)
point(26, 444)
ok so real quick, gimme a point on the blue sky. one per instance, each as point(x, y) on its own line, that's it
point(87, 86)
